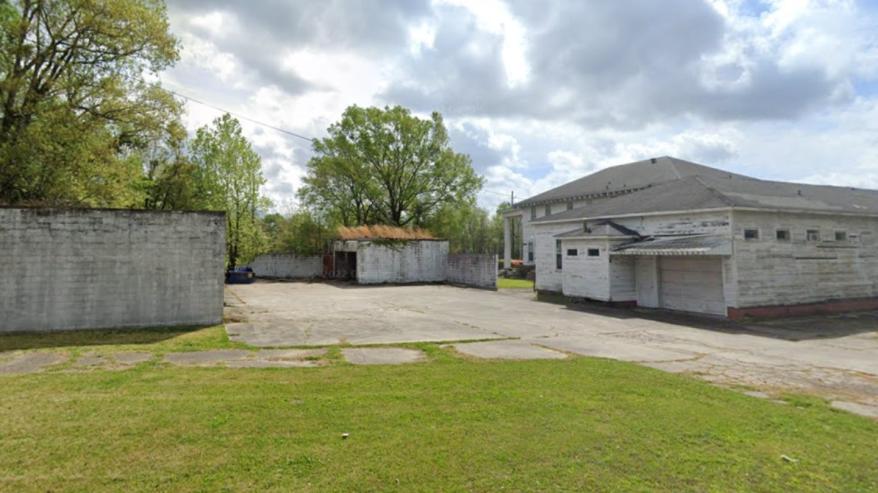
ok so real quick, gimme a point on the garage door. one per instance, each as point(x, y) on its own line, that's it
point(692, 284)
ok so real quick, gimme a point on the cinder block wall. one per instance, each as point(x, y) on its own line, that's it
point(477, 270)
point(287, 266)
point(413, 261)
point(95, 268)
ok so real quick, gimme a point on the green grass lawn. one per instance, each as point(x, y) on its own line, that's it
point(448, 424)
point(507, 283)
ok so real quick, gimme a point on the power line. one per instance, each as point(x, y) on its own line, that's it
point(243, 117)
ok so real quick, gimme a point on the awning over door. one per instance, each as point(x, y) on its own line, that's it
point(677, 245)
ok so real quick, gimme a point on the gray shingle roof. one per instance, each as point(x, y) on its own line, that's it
point(717, 191)
point(625, 177)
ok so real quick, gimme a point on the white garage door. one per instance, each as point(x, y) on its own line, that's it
point(692, 284)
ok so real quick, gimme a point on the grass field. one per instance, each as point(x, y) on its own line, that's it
point(447, 424)
point(507, 283)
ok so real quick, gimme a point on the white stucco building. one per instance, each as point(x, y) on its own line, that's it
point(667, 233)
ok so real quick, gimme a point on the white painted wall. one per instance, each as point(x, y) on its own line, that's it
point(584, 276)
point(472, 269)
point(287, 266)
point(772, 272)
point(646, 281)
point(402, 262)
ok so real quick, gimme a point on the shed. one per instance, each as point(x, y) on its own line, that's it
point(387, 254)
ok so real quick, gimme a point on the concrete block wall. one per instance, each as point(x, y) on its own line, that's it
point(402, 262)
point(476, 270)
point(96, 268)
point(287, 266)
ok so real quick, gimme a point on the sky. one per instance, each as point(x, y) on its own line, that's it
point(540, 93)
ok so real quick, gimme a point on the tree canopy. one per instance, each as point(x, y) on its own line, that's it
point(227, 176)
point(79, 120)
point(386, 166)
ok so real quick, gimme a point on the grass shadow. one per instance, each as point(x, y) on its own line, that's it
point(92, 337)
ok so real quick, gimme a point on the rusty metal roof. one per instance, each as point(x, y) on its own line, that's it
point(382, 232)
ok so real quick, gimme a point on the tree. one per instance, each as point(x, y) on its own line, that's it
point(77, 115)
point(227, 176)
point(386, 166)
point(300, 233)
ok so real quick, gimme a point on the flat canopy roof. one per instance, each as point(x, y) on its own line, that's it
point(677, 245)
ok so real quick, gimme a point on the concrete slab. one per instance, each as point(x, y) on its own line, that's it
point(132, 357)
point(856, 408)
point(614, 349)
point(512, 349)
point(91, 360)
point(381, 356)
point(213, 357)
point(290, 354)
point(32, 362)
point(269, 363)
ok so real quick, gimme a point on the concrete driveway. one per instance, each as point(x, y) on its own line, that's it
point(833, 356)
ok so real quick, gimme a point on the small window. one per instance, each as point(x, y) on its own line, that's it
point(548, 210)
point(558, 255)
point(530, 251)
point(751, 234)
point(569, 206)
point(594, 252)
point(812, 235)
point(783, 235)
point(533, 213)
point(841, 236)
point(572, 252)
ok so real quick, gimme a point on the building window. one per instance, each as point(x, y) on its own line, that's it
point(533, 213)
point(783, 235)
point(841, 236)
point(594, 252)
point(569, 206)
point(812, 235)
point(548, 210)
point(558, 254)
point(751, 234)
point(572, 252)
point(530, 251)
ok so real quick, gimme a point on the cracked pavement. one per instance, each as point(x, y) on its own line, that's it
point(835, 357)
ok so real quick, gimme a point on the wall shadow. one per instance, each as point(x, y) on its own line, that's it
point(91, 337)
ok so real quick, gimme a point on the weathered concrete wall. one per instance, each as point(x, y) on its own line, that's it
point(75, 269)
point(402, 262)
point(773, 272)
point(287, 266)
point(584, 276)
point(477, 270)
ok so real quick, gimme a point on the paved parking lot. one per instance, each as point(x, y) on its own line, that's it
point(833, 356)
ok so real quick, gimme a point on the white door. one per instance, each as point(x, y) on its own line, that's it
point(692, 284)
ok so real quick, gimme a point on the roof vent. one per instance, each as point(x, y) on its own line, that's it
point(652, 160)
point(800, 192)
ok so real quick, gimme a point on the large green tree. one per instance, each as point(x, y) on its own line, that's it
point(228, 176)
point(386, 166)
point(78, 117)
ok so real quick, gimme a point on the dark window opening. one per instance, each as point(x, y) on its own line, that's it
point(548, 210)
point(533, 213)
point(558, 255)
point(841, 236)
point(594, 252)
point(783, 235)
point(530, 251)
point(751, 234)
point(813, 235)
point(572, 252)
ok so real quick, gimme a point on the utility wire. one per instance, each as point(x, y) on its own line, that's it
point(243, 117)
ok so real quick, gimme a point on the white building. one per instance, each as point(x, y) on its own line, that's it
point(667, 233)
